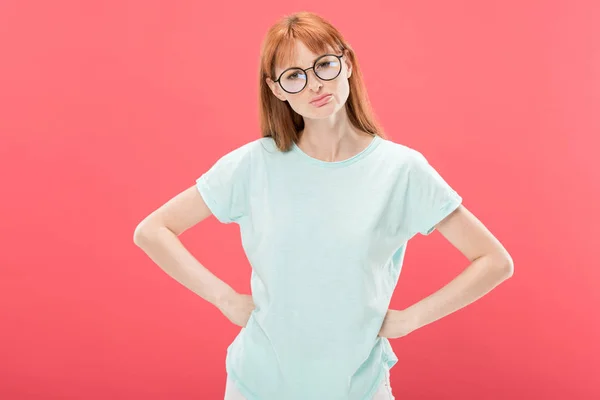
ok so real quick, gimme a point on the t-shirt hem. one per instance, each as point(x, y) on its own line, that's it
point(452, 204)
point(210, 202)
point(240, 386)
point(376, 385)
point(250, 396)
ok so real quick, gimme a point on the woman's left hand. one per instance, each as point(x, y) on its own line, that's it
point(397, 323)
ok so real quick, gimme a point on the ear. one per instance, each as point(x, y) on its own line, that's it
point(348, 63)
point(275, 89)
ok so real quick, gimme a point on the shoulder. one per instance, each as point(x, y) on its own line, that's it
point(257, 147)
point(403, 155)
point(250, 150)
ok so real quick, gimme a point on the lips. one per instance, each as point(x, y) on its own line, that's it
point(320, 98)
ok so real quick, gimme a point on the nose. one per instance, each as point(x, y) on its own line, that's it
point(314, 82)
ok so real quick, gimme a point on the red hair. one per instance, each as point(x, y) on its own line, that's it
point(277, 119)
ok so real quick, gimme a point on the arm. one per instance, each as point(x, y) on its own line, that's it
point(490, 265)
point(157, 235)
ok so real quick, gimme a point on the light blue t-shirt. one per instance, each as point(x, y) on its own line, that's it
point(326, 242)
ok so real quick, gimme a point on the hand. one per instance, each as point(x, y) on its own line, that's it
point(397, 323)
point(237, 308)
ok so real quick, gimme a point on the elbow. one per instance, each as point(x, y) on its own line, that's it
point(505, 263)
point(142, 232)
point(510, 268)
point(501, 264)
point(138, 236)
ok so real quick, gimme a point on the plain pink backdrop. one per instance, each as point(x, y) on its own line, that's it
point(108, 109)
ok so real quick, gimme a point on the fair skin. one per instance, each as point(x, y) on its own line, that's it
point(327, 136)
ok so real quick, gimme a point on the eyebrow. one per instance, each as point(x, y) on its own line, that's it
point(294, 65)
point(312, 62)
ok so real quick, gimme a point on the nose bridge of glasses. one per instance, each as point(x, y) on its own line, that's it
point(314, 79)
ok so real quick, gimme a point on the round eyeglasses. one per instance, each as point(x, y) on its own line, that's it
point(327, 67)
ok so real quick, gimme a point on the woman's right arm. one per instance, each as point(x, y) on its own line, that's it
point(157, 235)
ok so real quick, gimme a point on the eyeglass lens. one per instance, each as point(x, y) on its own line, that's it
point(326, 68)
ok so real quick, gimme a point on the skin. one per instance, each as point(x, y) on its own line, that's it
point(329, 136)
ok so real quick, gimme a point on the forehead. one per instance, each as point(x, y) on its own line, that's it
point(298, 54)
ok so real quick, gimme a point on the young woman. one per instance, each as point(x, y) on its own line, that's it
point(325, 205)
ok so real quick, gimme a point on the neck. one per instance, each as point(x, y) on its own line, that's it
point(332, 139)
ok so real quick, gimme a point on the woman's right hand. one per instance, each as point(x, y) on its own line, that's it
point(237, 308)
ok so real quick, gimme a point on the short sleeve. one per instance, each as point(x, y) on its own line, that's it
point(223, 187)
point(429, 197)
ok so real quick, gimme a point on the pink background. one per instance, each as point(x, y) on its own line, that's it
point(108, 109)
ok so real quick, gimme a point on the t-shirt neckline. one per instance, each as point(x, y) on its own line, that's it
point(333, 164)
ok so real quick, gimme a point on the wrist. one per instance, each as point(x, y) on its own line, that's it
point(411, 318)
point(222, 297)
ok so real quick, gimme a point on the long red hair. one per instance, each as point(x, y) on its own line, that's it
point(277, 119)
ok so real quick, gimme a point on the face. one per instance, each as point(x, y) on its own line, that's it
point(338, 88)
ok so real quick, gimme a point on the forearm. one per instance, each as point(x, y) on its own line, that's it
point(479, 278)
point(166, 250)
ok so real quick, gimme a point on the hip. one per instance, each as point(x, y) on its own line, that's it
point(384, 390)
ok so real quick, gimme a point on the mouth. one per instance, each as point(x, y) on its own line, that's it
point(321, 100)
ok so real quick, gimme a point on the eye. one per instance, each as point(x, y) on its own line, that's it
point(294, 75)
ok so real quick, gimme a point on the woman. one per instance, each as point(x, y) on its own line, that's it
point(325, 205)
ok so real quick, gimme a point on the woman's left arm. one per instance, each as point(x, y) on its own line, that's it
point(490, 265)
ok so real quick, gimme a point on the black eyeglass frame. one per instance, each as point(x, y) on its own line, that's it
point(313, 68)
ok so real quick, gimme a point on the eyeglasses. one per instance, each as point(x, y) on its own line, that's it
point(327, 67)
